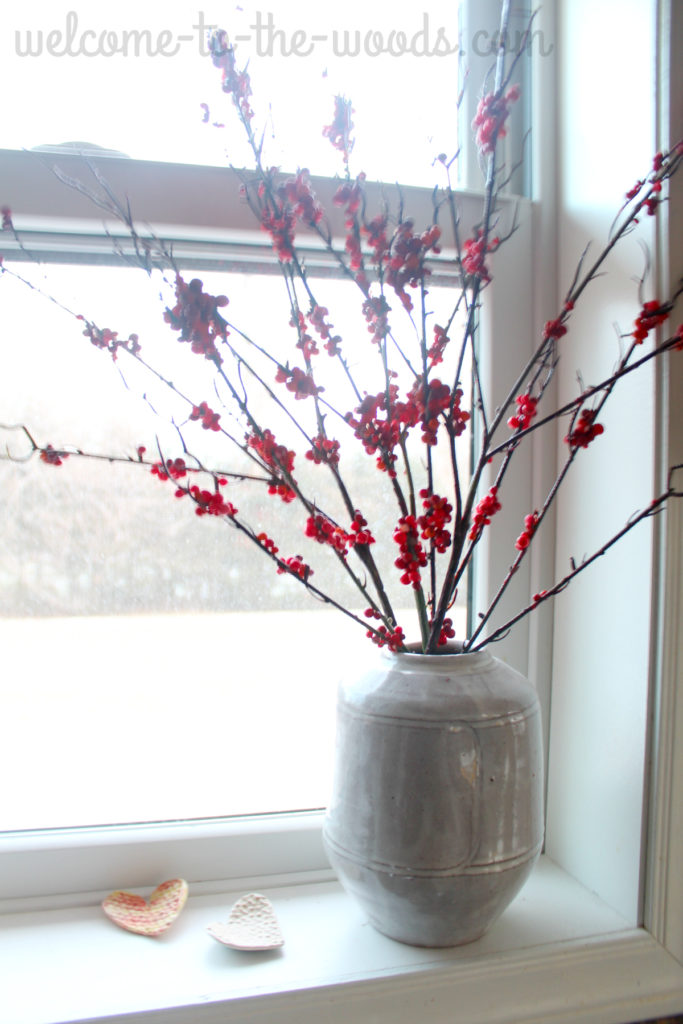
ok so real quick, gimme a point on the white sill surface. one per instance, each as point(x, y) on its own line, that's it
point(73, 964)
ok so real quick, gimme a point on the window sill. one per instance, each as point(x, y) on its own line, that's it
point(558, 954)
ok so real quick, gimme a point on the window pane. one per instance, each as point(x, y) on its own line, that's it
point(163, 669)
point(147, 74)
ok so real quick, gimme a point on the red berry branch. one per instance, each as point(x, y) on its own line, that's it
point(298, 419)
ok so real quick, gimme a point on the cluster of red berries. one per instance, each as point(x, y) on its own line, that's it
point(585, 430)
point(376, 310)
point(297, 194)
point(446, 632)
point(282, 206)
point(526, 410)
point(487, 507)
point(474, 257)
point(306, 342)
point(378, 435)
point(109, 340)
point(433, 522)
point(492, 113)
point(633, 192)
point(196, 316)
point(208, 503)
point(650, 316)
point(296, 566)
point(209, 419)
point(235, 83)
point(458, 417)
point(267, 543)
point(375, 232)
point(317, 320)
point(359, 533)
point(413, 556)
point(383, 637)
point(530, 524)
point(171, 468)
point(652, 201)
point(350, 196)
point(554, 329)
point(53, 457)
point(324, 449)
point(280, 224)
point(324, 531)
point(278, 459)
point(296, 380)
point(437, 348)
point(426, 402)
point(406, 264)
point(352, 247)
point(101, 337)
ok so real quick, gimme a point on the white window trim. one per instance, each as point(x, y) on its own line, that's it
point(627, 974)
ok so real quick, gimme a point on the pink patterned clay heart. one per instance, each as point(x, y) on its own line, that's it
point(137, 915)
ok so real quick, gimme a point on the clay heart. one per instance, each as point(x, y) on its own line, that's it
point(137, 915)
point(252, 925)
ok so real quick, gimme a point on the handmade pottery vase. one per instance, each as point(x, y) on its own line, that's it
point(436, 816)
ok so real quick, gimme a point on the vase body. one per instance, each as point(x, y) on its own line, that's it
point(436, 815)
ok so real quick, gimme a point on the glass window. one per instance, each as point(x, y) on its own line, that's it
point(148, 74)
point(131, 616)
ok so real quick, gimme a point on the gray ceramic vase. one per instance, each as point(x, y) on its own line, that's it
point(436, 817)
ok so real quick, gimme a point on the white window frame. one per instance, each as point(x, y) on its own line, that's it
point(629, 974)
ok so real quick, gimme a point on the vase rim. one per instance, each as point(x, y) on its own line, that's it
point(451, 652)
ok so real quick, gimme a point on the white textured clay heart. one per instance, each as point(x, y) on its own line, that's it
point(252, 925)
point(136, 914)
